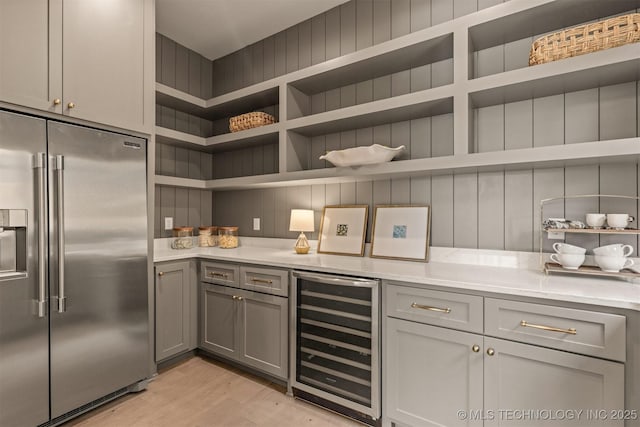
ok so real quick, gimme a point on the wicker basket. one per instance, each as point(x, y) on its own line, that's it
point(250, 120)
point(586, 38)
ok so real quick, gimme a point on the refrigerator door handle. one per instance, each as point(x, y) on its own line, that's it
point(39, 164)
point(59, 168)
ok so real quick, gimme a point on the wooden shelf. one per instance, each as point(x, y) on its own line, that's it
point(175, 181)
point(457, 39)
point(425, 103)
point(230, 104)
point(607, 67)
point(593, 230)
point(512, 21)
point(242, 139)
point(590, 270)
point(414, 50)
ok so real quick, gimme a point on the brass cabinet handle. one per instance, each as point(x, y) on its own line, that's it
point(239, 298)
point(216, 274)
point(475, 348)
point(571, 331)
point(427, 307)
point(266, 282)
point(491, 351)
point(57, 101)
point(161, 273)
point(234, 296)
point(71, 105)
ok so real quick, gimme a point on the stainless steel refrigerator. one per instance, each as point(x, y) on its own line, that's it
point(73, 268)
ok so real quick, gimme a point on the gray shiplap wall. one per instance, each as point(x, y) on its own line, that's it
point(488, 210)
point(352, 26)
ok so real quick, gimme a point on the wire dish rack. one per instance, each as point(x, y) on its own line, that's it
point(585, 270)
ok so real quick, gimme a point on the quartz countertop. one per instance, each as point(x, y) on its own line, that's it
point(501, 272)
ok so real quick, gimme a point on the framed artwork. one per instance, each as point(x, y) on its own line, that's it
point(401, 232)
point(343, 229)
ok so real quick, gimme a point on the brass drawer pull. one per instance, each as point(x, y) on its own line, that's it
point(571, 331)
point(426, 307)
point(266, 282)
point(236, 297)
point(161, 273)
point(216, 274)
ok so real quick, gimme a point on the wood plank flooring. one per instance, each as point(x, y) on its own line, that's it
point(201, 392)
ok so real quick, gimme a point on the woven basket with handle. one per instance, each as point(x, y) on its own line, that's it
point(250, 120)
point(586, 38)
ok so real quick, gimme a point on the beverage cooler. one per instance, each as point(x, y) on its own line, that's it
point(335, 350)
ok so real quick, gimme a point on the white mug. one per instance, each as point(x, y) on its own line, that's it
point(613, 264)
point(617, 249)
point(595, 220)
point(568, 261)
point(619, 221)
point(565, 248)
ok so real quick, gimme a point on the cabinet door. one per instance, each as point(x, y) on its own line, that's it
point(173, 297)
point(264, 332)
point(219, 317)
point(102, 61)
point(24, 52)
point(522, 376)
point(431, 373)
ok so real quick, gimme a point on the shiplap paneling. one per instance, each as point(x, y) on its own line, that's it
point(581, 180)
point(491, 210)
point(506, 201)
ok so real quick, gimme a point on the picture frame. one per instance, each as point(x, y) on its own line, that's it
point(401, 232)
point(343, 229)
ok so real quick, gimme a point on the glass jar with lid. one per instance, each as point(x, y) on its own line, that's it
point(228, 237)
point(183, 238)
point(208, 236)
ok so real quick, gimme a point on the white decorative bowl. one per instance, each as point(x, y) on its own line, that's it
point(357, 156)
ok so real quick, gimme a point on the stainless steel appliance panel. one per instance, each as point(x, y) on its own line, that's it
point(24, 345)
point(98, 264)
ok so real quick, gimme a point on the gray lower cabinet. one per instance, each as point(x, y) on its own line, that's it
point(175, 314)
point(248, 327)
point(431, 373)
point(439, 376)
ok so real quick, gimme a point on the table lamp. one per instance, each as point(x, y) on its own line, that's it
point(301, 220)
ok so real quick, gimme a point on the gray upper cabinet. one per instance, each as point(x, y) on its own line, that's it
point(24, 49)
point(80, 58)
point(173, 309)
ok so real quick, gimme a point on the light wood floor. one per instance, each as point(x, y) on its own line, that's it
point(200, 392)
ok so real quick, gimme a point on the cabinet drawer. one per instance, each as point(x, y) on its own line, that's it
point(269, 280)
point(451, 310)
point(579, 331)
point(224, 274)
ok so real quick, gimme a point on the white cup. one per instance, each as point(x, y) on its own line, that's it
point(565, 248)
point(613, 264)
point(596, 220)
point(568, 261)
point(619, 221)
point(617, 249)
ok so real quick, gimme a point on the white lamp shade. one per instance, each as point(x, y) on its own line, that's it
point(301, 220)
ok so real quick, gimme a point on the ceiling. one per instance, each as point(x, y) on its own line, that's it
point(215, 28)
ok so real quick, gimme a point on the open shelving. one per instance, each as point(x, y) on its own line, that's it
point(291, 97)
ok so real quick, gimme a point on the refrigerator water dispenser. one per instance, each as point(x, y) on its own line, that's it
point(13, 242)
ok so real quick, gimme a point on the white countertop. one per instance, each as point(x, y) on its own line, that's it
point(510, 273)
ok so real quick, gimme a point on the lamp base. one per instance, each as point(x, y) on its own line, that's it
point(302, 244)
